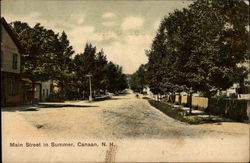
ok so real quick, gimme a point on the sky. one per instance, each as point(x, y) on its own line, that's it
point(123, 29)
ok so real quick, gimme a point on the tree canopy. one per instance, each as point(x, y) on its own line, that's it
point(48, 55)
point(199, 48)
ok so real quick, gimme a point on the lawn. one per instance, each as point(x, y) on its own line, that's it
point(175, 113)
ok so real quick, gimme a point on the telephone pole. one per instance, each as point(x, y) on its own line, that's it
point(90, 89)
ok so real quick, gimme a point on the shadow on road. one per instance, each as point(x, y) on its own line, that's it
point(110, 99)
point(40, 106)
point(63, 105)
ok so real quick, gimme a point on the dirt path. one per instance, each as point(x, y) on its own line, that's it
point(121, 117)
point(129, 122)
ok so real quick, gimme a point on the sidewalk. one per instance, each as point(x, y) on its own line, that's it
point(20, 108)
point(35, 107)
point(197, 116)
point(201, 114)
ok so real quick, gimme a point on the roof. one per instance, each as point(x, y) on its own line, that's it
point(11, 33)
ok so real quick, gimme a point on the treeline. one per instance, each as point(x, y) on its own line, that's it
point(197, 49)
point(138, 79)
point(46, 55)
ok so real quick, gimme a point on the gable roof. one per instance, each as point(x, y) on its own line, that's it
point(11, 33)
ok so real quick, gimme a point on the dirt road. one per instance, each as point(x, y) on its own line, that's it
point(136, 128)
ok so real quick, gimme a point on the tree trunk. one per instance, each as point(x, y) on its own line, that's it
point(62, 86)
point(179, 99)
point(33, 92)
point(172, 96)
point(190, 103)
point(209, 108)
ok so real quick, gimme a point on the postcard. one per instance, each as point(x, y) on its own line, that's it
point(125, 81)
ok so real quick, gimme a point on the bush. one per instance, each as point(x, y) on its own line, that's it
point(231, 108)
point(72, 95)
point(56, 97)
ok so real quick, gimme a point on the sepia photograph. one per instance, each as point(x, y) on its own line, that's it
point(125, 81)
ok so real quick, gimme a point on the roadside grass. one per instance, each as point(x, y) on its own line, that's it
point(176, 113)
point(102, 98)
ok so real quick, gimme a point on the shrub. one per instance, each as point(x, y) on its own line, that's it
point(56, 97)
point(231, 108)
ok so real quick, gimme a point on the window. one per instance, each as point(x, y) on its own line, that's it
point(14, 64)
point(47, 93)
point(12, 87)
point(43, 92)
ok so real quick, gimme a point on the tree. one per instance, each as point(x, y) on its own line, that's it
point(116, 79)
point(105, 75)
point(200, 48)
point(138, 79)
point(84, 63)
point(99, 75)
point(156, 65)
point(47, 55)
point(36, 50)
point(220, 44)
point(63, 73)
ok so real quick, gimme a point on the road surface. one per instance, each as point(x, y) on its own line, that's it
point(131, 125)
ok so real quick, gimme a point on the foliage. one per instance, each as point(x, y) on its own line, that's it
point(47, 55)
point(138, 79)
point(117, 81)
point(106, 76)
point(199, 48)
point(55, 97)
point(36, 49)
point(231, 108)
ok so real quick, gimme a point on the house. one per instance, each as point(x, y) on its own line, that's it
point(11, 85)
point(244, 90)
point(28, 96)
point(55, 86)
point(16, 89)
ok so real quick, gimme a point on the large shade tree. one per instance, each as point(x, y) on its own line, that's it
point(200, 48)
point(106, 76)
point(138, 79)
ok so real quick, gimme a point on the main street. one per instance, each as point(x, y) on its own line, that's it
point(132, 124)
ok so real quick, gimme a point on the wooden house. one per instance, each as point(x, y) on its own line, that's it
point(11, 85)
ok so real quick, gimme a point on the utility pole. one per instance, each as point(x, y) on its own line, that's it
point(90, 89)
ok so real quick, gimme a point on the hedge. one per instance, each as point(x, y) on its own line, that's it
point(231, 108)
point(234, 109)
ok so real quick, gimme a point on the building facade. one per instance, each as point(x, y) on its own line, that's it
point(11, 85)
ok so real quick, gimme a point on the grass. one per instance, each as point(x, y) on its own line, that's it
point(102, 98)
point(176, 113)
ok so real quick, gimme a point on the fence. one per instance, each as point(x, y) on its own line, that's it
point(185, 100)
point(178, 99)
point(231, 108)
point(200, 102)
point(235, 109)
